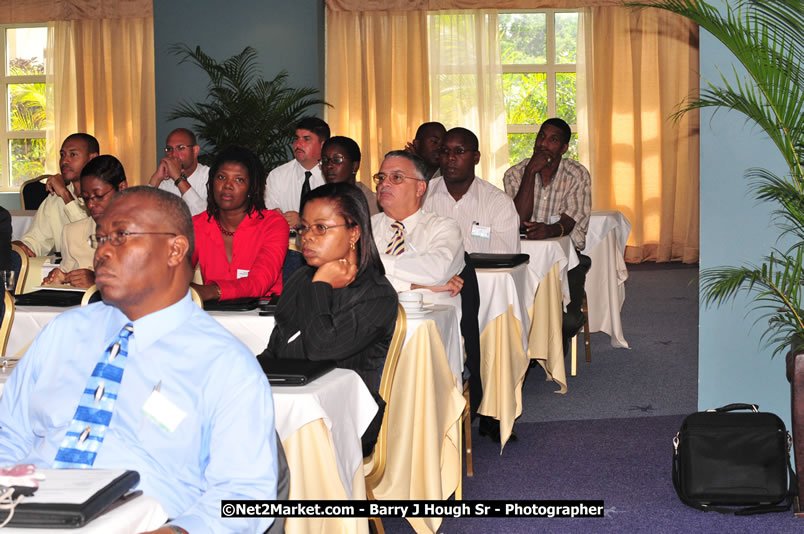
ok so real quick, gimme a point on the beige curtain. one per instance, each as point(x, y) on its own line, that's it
point(646, 165)
point(376, 81)
point(103, 84)
point(466, 83)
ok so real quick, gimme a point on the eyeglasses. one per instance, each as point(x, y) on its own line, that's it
point(118, 238)
point(395, 178)
point(458, 151)
point(319, 229)
point(178, 148)
point(96, 198)
point(337, 160)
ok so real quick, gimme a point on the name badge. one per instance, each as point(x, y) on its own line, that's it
point(481, 231)
point(163, 412)
point(242, 273)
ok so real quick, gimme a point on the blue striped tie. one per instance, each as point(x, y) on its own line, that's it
point(85, 435)
point(397, 244)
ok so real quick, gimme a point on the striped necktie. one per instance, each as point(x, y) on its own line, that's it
point(85, 435)
point(397, 244)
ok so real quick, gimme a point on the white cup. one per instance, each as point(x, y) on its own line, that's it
point(410, 300)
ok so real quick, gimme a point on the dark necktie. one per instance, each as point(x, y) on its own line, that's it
point(305, 187)
point(88, 427)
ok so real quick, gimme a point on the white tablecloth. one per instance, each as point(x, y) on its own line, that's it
point(544, 254)
point(605, 283)
point(20, 221)
point(341, 400)
point(500, 288)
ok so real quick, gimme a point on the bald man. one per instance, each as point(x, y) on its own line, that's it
point(145, 352)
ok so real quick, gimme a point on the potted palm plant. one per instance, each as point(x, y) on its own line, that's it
point(244, 109)
point(766, 38)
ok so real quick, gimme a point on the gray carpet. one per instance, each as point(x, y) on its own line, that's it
point(658, 375)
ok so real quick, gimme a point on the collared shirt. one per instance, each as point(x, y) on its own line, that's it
point(570, 192)
point(484, 206)
point(433, 250)
point(196, 196)
point(224, 448)
point(284, 184)
point(76, 252)
point(44, 234)
point(259, 246)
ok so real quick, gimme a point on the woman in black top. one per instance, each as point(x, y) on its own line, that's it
point(339, 306)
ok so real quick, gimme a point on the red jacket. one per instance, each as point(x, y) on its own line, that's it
point(258, 253)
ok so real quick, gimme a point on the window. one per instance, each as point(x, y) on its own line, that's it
point(538, 54)
point(22, 146)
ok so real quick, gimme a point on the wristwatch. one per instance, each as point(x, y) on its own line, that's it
point(181, 178)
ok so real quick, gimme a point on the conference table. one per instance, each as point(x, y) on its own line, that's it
point(520, 319)
point(320, 424)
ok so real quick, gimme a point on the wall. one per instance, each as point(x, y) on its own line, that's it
point(287, 36)
point(733, 364)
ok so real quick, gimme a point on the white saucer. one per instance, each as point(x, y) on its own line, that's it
point(415, 314)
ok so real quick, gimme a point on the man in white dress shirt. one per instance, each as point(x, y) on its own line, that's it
point(180, 173)
point(430, 255)
point(486, 215)
point(287, 183)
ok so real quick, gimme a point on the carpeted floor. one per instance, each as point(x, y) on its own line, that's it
point(610, 436)
point(658, 375)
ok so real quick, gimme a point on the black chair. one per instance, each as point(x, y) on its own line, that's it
point(575, 317)
point(293, 260)
point(32, 193)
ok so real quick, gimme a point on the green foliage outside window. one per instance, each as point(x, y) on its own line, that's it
point(27, 112)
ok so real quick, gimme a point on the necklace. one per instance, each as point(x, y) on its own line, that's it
point(223, 231)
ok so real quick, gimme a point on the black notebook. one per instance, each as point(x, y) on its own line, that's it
point(497, 261)
point(292, 372)
point(88, 492)
point(50, 297)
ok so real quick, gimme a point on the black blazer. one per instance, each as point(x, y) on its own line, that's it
point(352, 325)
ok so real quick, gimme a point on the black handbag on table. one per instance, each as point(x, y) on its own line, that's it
point(724, 457)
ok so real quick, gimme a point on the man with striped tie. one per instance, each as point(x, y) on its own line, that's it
point(146, 380)
point(423, 251)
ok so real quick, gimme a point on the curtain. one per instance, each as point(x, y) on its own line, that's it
point(584, 80)
point(466, 83)
point(645, 63)
point(376, 81)
point(103, 84)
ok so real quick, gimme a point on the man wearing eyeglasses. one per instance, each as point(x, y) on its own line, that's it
point(423, 251)
point(146, 380)
point(64, 204)
point(485, 214)
point(179, 171)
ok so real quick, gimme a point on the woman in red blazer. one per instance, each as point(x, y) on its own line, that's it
point(239, 245)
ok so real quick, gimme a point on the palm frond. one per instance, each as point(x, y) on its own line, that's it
point(243, 108)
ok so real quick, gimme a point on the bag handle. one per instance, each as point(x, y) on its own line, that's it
point(736, 406)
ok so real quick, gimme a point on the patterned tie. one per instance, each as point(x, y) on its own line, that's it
point(305, 186)
point(88, 427)
point(397, 244)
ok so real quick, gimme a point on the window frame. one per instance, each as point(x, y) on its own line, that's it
point(550, 68)
point(6, 134)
